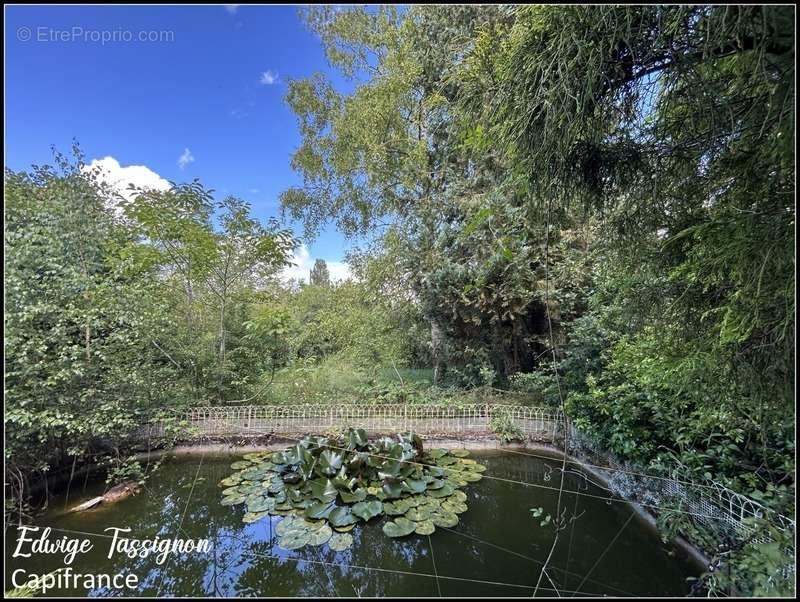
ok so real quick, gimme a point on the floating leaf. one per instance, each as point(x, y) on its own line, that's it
point(444, 519)
point(294, 540)
point(415, 485)
point(323, 490)
point(330, 462)
point(320, 536)
point(460, 453)
point(359, 495)
point(251, 517)
point(459, 496)
point(399, 527)
point(445, 491)
point(240, 465)
point(344, 529)
point(341, 516)
point(454, 507)
point(367, 510)
point(396, 508)
point(283, 526)
point(340, 542)
point(319, 510)
point(260, 504)
point(392, 490)
point(232, 500)
point(425, 527)
point(417, 514)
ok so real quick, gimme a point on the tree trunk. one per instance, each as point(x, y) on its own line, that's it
point(437, 353)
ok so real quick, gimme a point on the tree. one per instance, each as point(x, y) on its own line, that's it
point(320, 276)
point(84, 314)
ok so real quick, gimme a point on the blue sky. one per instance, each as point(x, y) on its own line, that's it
point(201, 86)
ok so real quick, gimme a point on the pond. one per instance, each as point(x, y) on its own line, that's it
point(497, 548)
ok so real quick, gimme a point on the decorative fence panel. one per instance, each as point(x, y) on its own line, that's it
point(538, 424)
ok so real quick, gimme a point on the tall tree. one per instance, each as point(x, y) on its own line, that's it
point(319, 275)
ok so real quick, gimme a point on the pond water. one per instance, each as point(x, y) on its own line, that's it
point(497, 549)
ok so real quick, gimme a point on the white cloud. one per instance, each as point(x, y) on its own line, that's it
point(119, 178)
point(232, 8)
point(185, 158)
point(304, 262)
point(269, 77)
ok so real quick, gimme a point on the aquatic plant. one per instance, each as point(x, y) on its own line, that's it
point(325, 486)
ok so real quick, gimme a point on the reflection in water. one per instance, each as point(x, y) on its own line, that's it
point(496, 549)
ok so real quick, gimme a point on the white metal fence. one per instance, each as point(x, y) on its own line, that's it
point(538, 424)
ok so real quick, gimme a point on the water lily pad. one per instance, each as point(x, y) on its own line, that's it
point(472, 477)
point(251, 517)
point(230, 491)
point(340, 541)
point(399, 527)
point(320, 510)
point(392, 490)
point(446, 460)
point(294, 540)
point(445, 491)
point(454, 507)
point(416, 485)
point(434, 471)
point(320, 536)
point(425, 527)
point(436, 484)
point(396, 508)
point(240, 464)
point(258, 456)
point(412, 502)
point(367, 510)
point(232, 500)
point(284, 526)
point(444, 519)
point(323, 490)
point(341, 516)
point(291, 478)
point(359, 495)
point(420, 513)
point(460, 453)
point(458, 496)
point(260, 504)
point(230, 481)
point(345, 528)
point(436, 453)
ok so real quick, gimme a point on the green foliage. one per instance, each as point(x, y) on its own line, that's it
point(320, 276)
point(325, 485)
point(84, 314)
point(503, 425)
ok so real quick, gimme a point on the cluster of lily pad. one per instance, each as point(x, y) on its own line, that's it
point(325, 486)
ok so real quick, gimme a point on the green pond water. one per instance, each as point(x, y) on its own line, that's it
point(496, 549)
